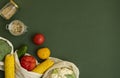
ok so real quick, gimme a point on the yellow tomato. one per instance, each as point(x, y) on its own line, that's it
point(43, 53)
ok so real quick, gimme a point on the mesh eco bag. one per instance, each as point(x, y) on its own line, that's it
point(23, 73)
point(60, 64)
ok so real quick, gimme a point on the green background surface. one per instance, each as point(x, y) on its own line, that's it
point(85, 32)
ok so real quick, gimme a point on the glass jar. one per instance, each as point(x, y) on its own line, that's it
point(17, 28)
point(9, 10)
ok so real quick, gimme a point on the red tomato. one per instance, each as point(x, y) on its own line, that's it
point(39, 39)
point(28, 62)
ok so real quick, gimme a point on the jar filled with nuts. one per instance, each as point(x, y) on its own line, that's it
point(17, 28)
point(9, 10)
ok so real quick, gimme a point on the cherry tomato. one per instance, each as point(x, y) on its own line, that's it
point(38, 39)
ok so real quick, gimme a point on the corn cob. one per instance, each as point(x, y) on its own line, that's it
point(42, 67)
point(9, 66)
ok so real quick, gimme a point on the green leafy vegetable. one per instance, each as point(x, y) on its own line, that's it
point(70, 76)
point(5, 48)
point(55, 71)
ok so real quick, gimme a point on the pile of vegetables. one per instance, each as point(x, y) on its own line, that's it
point(29, 62)
point(21, 64)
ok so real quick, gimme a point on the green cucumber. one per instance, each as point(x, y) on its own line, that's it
point(22, 50)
